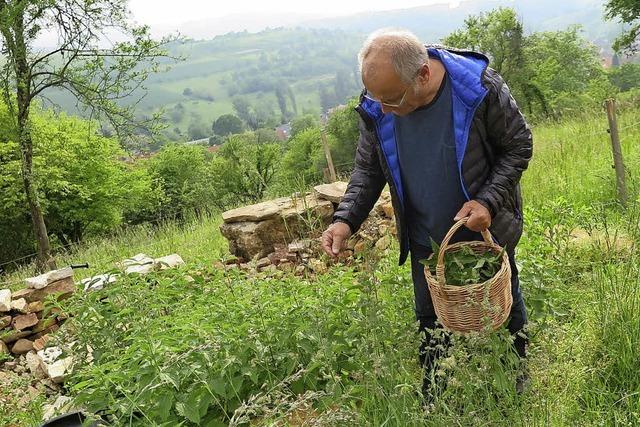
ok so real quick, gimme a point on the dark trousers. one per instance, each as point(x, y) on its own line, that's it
point(426, 315)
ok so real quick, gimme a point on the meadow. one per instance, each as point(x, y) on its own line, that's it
point(203, 346)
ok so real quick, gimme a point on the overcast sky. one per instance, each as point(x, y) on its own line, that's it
point(167, 12)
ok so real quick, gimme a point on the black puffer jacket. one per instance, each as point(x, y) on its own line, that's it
point(493, 144)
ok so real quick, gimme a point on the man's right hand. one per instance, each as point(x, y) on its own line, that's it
point(335, 237)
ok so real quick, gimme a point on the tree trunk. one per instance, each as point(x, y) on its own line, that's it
point(18, 51)
point(44, 260)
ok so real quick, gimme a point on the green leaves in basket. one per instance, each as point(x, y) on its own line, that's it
point(463, 266)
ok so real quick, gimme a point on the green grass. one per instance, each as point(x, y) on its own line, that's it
point(198, 241)
point(340, 348)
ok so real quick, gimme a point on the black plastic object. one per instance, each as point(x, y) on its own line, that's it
point(72, 419)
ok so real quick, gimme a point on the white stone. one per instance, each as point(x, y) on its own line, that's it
point(35, 365)
point(332, 192)
point(50, 355)
point(19, 305)
point(58, 369)
point(5, 300)
point(168, 261)
point(98, 282)
point(140, 263)
point(39, 282)
point(59, 406)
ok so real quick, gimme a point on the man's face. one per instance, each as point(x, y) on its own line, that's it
point(384, 86)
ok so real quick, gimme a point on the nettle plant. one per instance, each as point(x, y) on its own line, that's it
point(464, 266)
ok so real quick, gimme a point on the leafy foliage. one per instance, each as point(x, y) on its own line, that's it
point(464, 266)
point(627, 11)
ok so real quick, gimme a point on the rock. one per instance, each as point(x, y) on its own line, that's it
point(139, 263)
point(257, 237)
point(387, 208)
point(44, 324)
point(98, 282)
point(3, 348)
point(351, 243)
point(19, 305)
point(286, 266)
point(62, 288)
point(51, 329)
point(10, 365)
point(317, 266)
point(263, 262)
point(35, 307)
point(58, 369)
point(299, 246)
point(332, 192)
point(169, 261)
point(49, 355)
point(40, 342)
point(22, 293)
point(269, 269)
point(345, 255)
point(14, 335)
point(61, 405)
point(360, 247)
point(5, 300)
point(383, 229)
point(45, 279)
point(291, 257)
point(22, 346)
point(300, 270)
point(5, 321)
point(35, 365)
point(257, 212)
point(249, 239)
point(383, 243)
point(24, 321)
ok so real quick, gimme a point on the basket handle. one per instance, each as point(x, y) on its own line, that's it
point(445, 243)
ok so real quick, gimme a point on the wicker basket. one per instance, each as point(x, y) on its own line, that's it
point(471, 307)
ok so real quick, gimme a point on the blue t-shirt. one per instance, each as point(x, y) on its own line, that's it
point(428, 166)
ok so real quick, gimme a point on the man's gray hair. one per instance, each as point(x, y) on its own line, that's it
point(405, 51)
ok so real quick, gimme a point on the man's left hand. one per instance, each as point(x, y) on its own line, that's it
point(479, 216)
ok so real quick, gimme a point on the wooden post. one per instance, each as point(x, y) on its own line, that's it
point(618, 163)
point(327, 154)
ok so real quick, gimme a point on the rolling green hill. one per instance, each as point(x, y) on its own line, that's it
point(314, 66)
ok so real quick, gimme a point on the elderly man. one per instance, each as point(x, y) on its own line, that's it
point(442, 129)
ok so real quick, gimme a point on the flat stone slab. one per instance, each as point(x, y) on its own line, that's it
point(39, 282)
point(333, 192)
point(257, 212)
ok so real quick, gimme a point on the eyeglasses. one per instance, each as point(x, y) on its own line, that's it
point(386, 104)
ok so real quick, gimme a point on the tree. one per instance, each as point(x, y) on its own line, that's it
point(98, 77)
point(302, 123)
point(227, 124)
point(198, 130)
point(499, 35)
point(625, 77)
point(304, 152)
point(181, 171)
point(249, 167)
point(245, 112)
point(83, 187)
point(562, 66)
point(281, 96)
point(627, 11)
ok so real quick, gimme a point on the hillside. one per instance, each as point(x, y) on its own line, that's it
point(316, 60)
